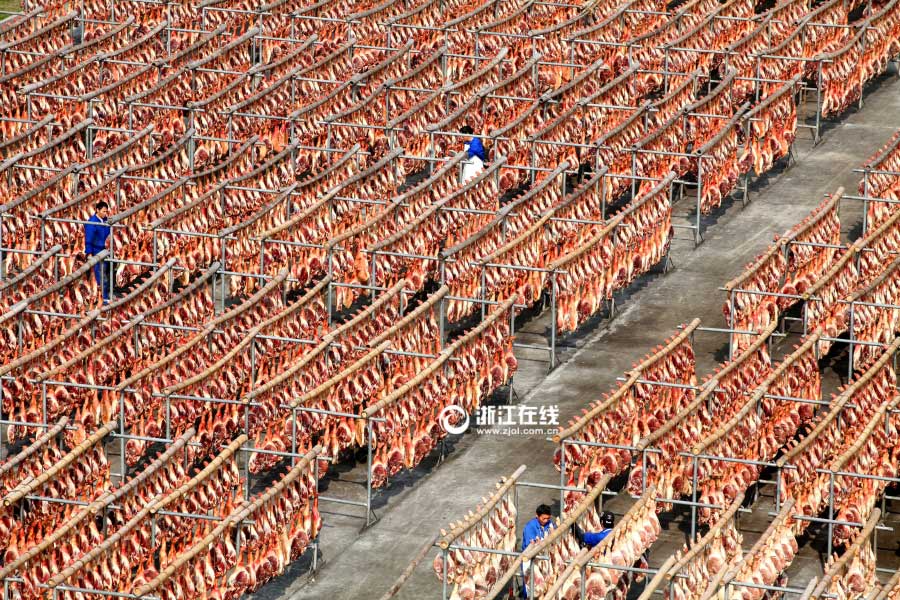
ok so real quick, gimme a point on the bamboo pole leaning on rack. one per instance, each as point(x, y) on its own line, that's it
point(308, 298)
point(410, 568)
point(59, 178)
point(171, 357)
point(675, 563)
point(31, 132)
point(209, 329)
point(560, 263)
point(859, 294)
point(369, 311)
point(663, 574)
point(400, 53)
point(472, 519)
point(499, 311)
point(92, 351)
point(876, 420)
point(708, 538)
point(807, 345)
point(498, 254)
point(135, 321)
point(598, 69)
point(562, 529)
point(189, 289)
point(164, 268)
point(599, 409)
point(729, 426)
point(494, 63)
point(586, 555)
point(13, 282)
point(167, 155)
point(35, 446)
point(774, 252)
point(202, 476)
point(326, 340)
point(14, 161)
point(412, 227)
point(108, 543)
point(872, 235)
point(171, 450)
point(837, 405)
point(407, 387)
point(758, 394)
point(837, 568)
point(723, 578)
point(340, 376)
point(232, 520)
point(706, 392)
point(412, 316)
point(216, 366)
point(95, 163)
point(819, 213)
point(295, 368)
point(92, 509)
point(398, 203)
point(321, 178)
point(575, 564)
point(633, 376)
point(71, 333)
point(708, 389)
point(868, 293)
point(85, 268)
point(890, 590)
point(24, 489)
point(261, 293)
point(882, 154)
point(669, 347)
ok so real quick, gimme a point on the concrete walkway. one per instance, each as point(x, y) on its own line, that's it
point(415, 507)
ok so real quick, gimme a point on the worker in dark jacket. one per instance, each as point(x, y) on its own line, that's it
point(96, 236)
point(589, 539)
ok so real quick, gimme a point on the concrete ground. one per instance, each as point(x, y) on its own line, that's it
point(355, 565)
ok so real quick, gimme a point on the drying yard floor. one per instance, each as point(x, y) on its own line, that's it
point(356, 565)
point(9, 6)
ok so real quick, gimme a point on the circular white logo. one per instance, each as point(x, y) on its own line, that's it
point(444, 418)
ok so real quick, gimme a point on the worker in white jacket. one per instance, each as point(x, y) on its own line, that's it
point(475, 158)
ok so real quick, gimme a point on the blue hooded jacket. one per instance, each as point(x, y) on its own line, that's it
point(476, 149)
point(95, 234)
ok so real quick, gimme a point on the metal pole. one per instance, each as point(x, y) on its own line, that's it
point(369, 511)
point(553, 311)
point(830, 511)
point(562, 474)
point(694, 503)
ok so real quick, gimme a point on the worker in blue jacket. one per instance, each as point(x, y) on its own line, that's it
point(535, 530)
point(475, 156)
point(96, 236)
point(474, 147)
point(538, 527)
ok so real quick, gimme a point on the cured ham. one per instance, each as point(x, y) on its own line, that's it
point(491, 525)
point(633, 411)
